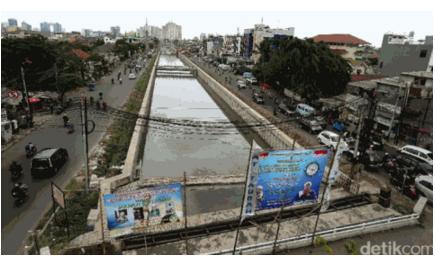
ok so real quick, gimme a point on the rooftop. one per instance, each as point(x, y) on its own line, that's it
point(339, 38)
point(420, 74)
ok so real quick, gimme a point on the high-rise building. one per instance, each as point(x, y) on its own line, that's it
point(12, 22)
point(25, 26)
point(45, 27)
point(86, 32)
point(115, 31)
point(57, 28)
point(171, 31)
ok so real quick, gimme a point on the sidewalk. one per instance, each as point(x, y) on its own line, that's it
point(38, 121)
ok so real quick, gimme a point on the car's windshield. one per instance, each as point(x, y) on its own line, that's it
point(40, 163)
point(334, 138)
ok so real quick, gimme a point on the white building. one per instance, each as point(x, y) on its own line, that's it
point(171, 31)
point(262, 32)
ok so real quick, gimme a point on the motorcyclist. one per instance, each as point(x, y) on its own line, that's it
point(15, 167)
point(29, 147)
point(18, 191)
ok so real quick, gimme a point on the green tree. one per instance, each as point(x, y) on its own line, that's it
point(308, 68)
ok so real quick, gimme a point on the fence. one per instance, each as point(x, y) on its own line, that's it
point(330, 234)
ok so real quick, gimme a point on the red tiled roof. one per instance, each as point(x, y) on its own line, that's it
point(364, 77)
point(81, 54)
point(339, 38)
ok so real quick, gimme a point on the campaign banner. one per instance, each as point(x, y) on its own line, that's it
point(145, 207)
point(289, 177)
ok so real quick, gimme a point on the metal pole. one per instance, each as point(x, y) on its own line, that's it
point(355, 151)
point(185, 212)
point(83, 114)
point(102, 223)
point(35, 241)
point(394, 114)
point(278, 221)
point(25, 90)
point(325, 189)
point(243, 201)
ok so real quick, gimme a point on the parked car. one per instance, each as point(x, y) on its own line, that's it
point(47, 162)
point(310, 124)
point(418, 153)
point(373, 159)
point(251, 80)
point(424, 186)
point(241, 84)
point(305, 110)
point(132, 76)
point(258, 98)
point(329, 139)
point(321, 120)
point(419, 168)
point(339, 126)
point(247, 75)
point(284, 109)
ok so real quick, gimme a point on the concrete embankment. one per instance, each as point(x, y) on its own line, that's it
point(274, 137)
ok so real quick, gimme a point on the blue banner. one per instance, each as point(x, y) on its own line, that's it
point(289, 177)
point(149, 206)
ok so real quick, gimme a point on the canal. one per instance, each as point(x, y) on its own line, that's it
point(171, 150)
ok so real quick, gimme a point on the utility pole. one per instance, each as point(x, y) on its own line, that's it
point(355, 151)
point(25, 91)
point(394, 113)
point(84, 121)
point(185, 212)
point(327, 187)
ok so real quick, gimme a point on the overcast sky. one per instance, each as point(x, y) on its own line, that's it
point(369, 26)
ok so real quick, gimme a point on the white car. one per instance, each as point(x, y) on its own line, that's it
point(132, 76)
point(241, 84)
point(424, 185)
point(418, 153)
point(251, 80)
point(329, 139)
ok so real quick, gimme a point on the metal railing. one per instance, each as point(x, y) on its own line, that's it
point(305, 239)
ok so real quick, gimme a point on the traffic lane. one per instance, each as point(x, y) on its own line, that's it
point(49, 137)
point(15, 230)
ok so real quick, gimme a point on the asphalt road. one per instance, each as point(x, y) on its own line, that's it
point(17, 221)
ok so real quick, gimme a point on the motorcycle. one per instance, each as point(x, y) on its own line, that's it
point(20, 199)
point(16, 174)
point(31, 152)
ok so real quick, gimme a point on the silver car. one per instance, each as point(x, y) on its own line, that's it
point(424, 185)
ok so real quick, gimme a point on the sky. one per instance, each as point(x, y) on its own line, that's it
point(367, 25)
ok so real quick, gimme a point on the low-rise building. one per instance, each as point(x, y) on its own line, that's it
point(401, 53)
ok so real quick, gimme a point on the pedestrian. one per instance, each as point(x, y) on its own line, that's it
point(120, 80)
point(65, 120)
point(91, 100)
point(98, 104)
point(104, 106)
point(51, 108)
point(100, 94)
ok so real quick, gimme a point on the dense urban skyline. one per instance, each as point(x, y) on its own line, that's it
point(356, 23)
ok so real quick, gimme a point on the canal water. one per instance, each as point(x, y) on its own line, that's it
point(172, 149)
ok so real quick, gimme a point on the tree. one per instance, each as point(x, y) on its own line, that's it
point(310, 69)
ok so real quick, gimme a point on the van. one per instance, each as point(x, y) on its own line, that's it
point(47, 162)
point(305, 110)
point(247, 75)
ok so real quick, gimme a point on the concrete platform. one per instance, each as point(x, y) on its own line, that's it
point(266, 232)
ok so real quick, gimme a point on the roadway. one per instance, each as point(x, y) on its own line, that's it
point(17, 221)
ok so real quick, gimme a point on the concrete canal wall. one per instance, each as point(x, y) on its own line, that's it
point(274, 137)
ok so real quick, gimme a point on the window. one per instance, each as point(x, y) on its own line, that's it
point(422, 155)
point(423, 53)
point(426, 184)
